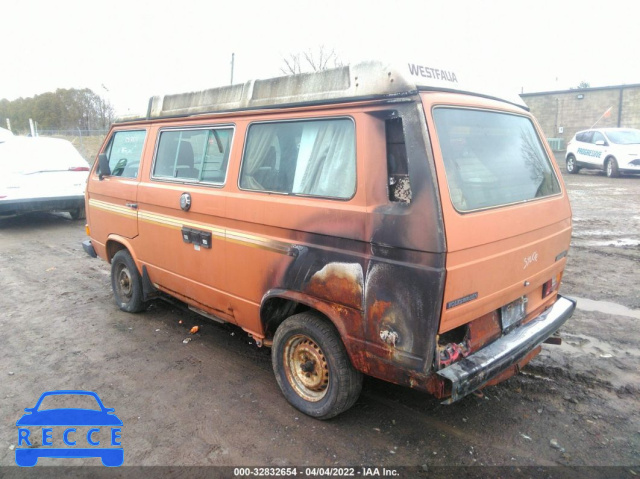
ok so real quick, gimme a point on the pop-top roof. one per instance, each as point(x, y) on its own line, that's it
point(367, 80)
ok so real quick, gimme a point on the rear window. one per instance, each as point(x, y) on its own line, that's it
point(492, 159)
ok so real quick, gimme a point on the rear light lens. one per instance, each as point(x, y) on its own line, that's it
point(79, 168)
point(551, 285)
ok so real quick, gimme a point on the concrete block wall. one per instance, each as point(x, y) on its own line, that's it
point(565, 109)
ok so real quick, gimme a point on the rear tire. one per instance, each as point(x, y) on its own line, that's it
point(78, 213)
point(126, 283)
point(611, 168)
point(312, 366)
point(572, 167)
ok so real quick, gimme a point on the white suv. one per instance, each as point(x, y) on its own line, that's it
point(613, 150)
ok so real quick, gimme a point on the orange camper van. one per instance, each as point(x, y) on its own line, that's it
point(370, 219)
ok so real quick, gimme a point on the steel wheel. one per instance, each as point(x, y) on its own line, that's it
point(312, 366)
point(306, 368)
point(126, 283)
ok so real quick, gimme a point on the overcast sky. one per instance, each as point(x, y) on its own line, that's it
point(127, 51)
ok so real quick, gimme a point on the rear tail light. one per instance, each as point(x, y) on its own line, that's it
point(87, 230)
point(79, 168)
point(551, 285)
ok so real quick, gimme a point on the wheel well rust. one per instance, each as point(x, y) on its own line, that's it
point(275, 310)
point(112, 248)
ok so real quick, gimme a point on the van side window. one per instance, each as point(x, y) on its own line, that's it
point(397, 167)
point(124, 152)
point(193, 155)
point(314, 157)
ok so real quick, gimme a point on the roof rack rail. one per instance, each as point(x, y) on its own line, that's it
point(361, 81)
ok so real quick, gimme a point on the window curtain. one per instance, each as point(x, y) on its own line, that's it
point(331, 170)
point(261, 138)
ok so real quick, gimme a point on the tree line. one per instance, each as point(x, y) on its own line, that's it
point(64, 109)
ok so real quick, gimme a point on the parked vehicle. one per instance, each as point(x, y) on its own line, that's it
point(5, 135)
point(363, 220)
point(612, 150)
point(41, 174)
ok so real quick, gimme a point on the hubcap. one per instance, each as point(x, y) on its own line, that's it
point(570, 164)
point(609, 168)
point(124, 283)
point(306, 368)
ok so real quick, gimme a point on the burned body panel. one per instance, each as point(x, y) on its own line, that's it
point(358, 222)
point(367, 298)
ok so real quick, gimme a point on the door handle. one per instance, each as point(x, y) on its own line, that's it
point(132, 205)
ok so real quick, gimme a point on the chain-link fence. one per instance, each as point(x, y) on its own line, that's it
point(87, 142)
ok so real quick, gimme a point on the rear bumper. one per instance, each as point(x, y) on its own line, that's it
point(29, 205)
point(479, 368)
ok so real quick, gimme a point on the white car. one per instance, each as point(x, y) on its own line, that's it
point(613, 150)
point(41, 174)
point(5, 135)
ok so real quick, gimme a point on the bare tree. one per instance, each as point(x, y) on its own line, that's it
point(311, 60)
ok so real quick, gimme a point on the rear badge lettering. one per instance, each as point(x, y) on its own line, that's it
point(459, 301)
point(532, 258)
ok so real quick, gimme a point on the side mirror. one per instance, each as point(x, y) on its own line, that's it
point(600, 143)
point(103, 165)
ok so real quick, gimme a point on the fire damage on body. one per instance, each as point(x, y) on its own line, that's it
point(384, 296)
point(367, 278)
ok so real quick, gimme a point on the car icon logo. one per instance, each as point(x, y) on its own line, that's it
point(79, 432)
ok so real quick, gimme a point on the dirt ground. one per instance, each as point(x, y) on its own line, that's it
point(214, 400)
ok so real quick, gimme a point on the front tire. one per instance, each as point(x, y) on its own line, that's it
point(572, 167)
point(126, 283)
point(312, 366)
point(78, 214)
point(612, 168)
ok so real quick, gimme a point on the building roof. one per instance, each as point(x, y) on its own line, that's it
point(581, 90)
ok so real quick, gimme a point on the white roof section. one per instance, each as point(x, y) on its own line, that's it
point(22, 154)
point(5, 134)
point(361, 81)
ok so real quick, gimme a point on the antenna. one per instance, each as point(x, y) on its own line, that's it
point(233, 55)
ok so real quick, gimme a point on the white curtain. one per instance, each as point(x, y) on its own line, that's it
point(331, 168)
point(260, 138)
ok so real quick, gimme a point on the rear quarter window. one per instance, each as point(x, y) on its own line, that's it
point(492, 159)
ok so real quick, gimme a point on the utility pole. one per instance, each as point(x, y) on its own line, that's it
point(233, 55)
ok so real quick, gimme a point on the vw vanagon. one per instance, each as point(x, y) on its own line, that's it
point(370, 219)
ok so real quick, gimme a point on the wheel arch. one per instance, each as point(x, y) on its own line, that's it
point(116, 243)
point(279, 304)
